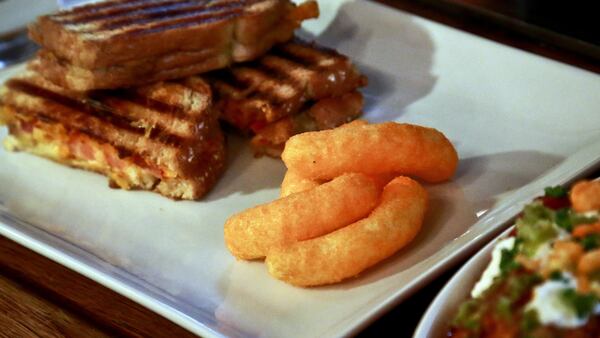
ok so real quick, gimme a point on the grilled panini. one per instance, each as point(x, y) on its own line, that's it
point(120, 43)
point(324, 114)
point(163, 137)
point(296, 87)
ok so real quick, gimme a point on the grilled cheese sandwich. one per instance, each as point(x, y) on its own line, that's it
point(296, 87)
point(163, 137)
point(119, 43)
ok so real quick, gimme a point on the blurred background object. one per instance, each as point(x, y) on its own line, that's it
point(570, 25)
point(578, 19)
point(14, 17)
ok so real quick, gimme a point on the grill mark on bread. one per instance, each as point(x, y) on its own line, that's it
point(107, 9)
point(286, 70)
point(310, 56)
point(197, 15)
point(27, 114)
point(144, 11)
point(154, 17)
point(204, 19)
point(286, 55)
point(141, 100)
point(266, 85)
point(188, 166)
point(92, 109)
point(280, 83)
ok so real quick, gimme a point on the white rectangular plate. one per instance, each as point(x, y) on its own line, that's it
point(512, 116)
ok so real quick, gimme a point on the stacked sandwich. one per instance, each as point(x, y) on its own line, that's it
point(135, 89)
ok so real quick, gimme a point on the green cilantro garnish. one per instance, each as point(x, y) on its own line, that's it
point(556, 192)
point(504, 306)
point(562, 218)
point(507, 259)
point(583, 304)
point(577, 219)
point(556, 275)
point(518, 285)
point(536, 212)
point(468, 315)
point(590, 242)
point(530, 320)
point(535, 227)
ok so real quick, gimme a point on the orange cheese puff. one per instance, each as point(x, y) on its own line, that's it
point(307, 214)
point(585, 196)
point(372, 149)
point(354, 123)
point(294, 182)
point(350, 250)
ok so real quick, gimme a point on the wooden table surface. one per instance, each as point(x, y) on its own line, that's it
point(41, 298)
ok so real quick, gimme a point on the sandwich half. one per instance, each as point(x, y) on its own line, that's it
point(163, 137)
point(124, 43)
point(296, 87)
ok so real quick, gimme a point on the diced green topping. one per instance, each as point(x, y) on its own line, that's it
point(530, 320)
point(535, 227)
point(577, 219)
point(518, 285)
point(556, 192)
point(468, 315)
point(562, 218)
point(504, 307)
point(590, 242)
point(583, 304)
point(539, 224)
point(567, 219)
point(535, 212)
point(507, 259)
point(557, 276)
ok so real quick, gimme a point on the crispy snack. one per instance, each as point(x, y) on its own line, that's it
point(372, 149)
point(294, 182)
point(585, 196)
point(350, 250)
point(251, 233)
point(355, 123)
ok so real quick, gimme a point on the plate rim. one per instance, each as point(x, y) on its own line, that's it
point(431, 315)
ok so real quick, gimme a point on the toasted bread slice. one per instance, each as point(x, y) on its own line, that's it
point(281, 83)
point(164, 137)
point(147, 41)
point(324, 114)
point(135, 73)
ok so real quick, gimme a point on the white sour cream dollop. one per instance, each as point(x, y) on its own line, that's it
point(493, 269)
point(551, 308)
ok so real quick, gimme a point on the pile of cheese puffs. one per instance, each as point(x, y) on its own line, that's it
point(346, 202)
